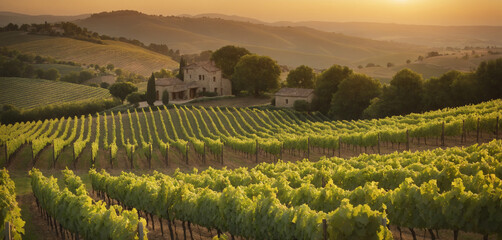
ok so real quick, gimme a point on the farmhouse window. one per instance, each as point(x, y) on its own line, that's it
point(286, 101)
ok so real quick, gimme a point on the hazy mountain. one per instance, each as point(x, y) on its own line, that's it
point(432, 36)
point(18, 18)
point(288, 45)
point(226, 17)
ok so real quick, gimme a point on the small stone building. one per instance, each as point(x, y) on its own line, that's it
point(198, 78)
point(286, 97)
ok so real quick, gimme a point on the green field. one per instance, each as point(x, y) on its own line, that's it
point(63, 69)
point(31, 93)
point(122, 55)
point(429, 67)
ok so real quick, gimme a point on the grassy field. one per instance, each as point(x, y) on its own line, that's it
point(431, 67)
point(122, 55)
point(63, 69)
point(30, 93)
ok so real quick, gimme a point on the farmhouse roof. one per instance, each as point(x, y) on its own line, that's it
point(209, 66)
point(176, 84)
point(294, 92)
point(168, 81)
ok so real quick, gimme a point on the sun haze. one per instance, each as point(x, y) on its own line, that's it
point(430, 12)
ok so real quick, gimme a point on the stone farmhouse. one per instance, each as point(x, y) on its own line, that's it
point(286, 97)
point(198, 78)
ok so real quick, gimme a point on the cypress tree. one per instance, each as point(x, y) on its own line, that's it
point(181, 74)
point(151, 95)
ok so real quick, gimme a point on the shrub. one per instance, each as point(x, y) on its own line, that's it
point(165, 97)
point(136, 97)
point(301, 106)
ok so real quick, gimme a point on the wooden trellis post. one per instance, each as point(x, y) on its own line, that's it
point(256, 150)
point(442, 134)
point(308, 148)
point(324, 229)
point(477, 132)
point(141, 235)
point(378, 143)
point(407, 140)
point(7, 231)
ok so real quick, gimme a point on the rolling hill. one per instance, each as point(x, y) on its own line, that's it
point(288, 45)
point(434, 66)
point(18, 18)
point(123, 55)
point(42, 92)
point(425, 35)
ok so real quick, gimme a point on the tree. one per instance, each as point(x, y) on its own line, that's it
point(301, 77)
point(301, 106)
point(84, 76)
point(163, 73)
point(403, 96)
point(122, 89)
point(408, 61)
point(51, 74)
point(135, 97)
point(151, 93)
point(256, 74)
point(438, 93)
point(181, 74)
point(327, 85)
point(227, 57)
point(118, 71)
point(104, 85)
point(12, 68)
point(489, 75)
point(110, 67)
point(165, 97)
point(389, 64)
point(353, 96)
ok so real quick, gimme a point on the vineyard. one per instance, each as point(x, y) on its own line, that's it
point(279, 194)
point(132, 139)
point(30, 93)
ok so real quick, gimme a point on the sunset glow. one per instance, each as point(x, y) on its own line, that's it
point(432, 12)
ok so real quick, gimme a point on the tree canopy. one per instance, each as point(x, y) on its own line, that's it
point(327, 85)
point(438, 91)
point(227, 57)
point(402, 96)
point(301, 77)
point(353, 96)
point(122, 89)
point(256, 74)
point(489, 75)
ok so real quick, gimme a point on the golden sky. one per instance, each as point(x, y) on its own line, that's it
point(433, 12)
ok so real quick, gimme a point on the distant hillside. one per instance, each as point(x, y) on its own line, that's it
point(434, 66)
point(288, 45)
point(123, 55)
point(431, 36)
point(18, 18)
point(30, 93)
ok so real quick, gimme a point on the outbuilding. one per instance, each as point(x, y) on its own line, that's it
point(286, 97)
